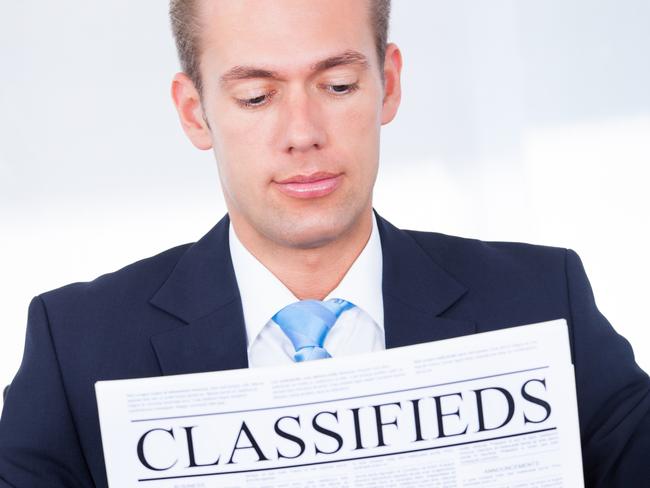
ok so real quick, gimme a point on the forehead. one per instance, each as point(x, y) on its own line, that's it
point(285, 34)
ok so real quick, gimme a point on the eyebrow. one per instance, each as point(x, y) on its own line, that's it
point(248, 72)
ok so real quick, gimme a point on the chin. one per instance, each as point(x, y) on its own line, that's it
point(311, 232)
point(309, 225)
point(310, 237)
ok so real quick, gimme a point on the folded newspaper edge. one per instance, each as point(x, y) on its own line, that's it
point(490, 409)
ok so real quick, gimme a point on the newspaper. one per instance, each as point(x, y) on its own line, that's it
point(490, 410)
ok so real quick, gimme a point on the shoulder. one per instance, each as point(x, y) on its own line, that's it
point(508, 283)
point(132, 283)
point(469, 255)
point(90, 324)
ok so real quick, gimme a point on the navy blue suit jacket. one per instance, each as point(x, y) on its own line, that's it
point(180, 312)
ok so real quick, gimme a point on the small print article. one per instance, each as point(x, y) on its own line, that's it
point(489, 410)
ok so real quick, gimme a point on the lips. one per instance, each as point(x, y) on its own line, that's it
point(315, 185)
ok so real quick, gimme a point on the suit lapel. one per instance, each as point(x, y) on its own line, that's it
point(202, 292)
point(416, 292)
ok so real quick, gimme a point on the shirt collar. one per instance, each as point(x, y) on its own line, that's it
point(262, 294)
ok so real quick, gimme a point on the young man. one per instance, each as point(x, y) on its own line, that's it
point(290, 95)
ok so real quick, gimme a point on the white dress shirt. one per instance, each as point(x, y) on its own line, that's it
point(356, 331)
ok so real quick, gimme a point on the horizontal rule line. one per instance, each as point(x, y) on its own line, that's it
point(144, 480)
point(509, 373)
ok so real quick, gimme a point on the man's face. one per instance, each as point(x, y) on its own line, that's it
point(293, 99)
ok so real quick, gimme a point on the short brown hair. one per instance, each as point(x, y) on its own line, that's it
point(186, 30)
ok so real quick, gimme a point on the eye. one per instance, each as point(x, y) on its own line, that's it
point(342, 89)
point(257, 101)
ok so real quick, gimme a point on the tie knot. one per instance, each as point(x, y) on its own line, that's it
point(307, 323)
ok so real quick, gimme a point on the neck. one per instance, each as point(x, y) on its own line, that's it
point(309, 273)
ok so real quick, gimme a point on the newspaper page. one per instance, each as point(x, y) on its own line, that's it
point(495, 409)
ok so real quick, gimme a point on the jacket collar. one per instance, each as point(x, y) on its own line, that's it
point(202, 292)
point(203, 280)
point(417, 290)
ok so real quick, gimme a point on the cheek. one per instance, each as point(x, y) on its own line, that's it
point(239, 136)
point(357, 134)
point(236, 133)
point(360, 120)
point(241, 150)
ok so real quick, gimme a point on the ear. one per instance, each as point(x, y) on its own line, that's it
point(190, 112)
point(392, 83)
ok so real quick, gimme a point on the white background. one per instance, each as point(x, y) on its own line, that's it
point(522, 120)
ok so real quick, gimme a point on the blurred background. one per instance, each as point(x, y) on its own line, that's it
point(522, 120)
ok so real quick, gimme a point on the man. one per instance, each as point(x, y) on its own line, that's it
point(290, 95)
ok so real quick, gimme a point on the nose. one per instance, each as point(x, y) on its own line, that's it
point(302, 124)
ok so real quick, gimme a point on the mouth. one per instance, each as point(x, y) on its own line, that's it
point(315, 185)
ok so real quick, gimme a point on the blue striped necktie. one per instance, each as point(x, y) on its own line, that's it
point(306, 323)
